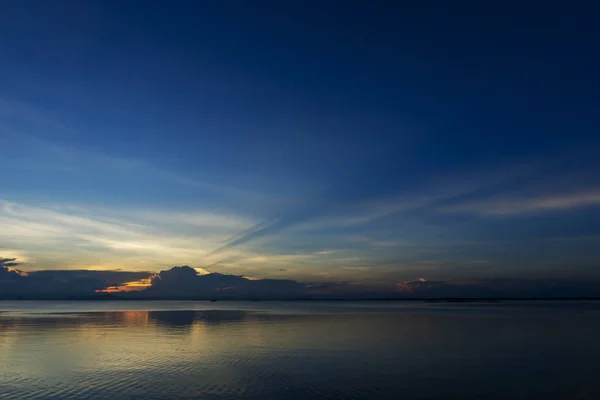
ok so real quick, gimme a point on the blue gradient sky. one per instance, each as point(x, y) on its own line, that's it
point(318, 141)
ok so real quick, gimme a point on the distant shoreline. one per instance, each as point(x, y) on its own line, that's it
point(425, 300)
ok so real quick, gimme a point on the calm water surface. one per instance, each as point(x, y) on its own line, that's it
point(297, 350)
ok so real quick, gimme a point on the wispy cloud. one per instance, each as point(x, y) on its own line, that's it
point(99, 234)
point(319, 215)
point(87, 237)
point(524, 205)
point(34, 152)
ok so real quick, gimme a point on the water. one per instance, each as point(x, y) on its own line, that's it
point(296, 350)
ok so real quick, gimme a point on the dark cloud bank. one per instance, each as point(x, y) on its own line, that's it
point(185, 283)
point(16, 284)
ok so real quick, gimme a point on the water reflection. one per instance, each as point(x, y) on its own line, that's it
point(126, 319)
point(183, 318)
point(255, 355)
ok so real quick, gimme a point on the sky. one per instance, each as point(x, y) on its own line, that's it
point(351, 142)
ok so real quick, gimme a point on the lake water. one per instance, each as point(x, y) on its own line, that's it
point(299, 350)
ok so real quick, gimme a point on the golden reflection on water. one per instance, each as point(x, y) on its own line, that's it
point(135, 318)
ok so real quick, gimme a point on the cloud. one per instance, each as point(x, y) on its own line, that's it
point(15, 283)
point(419, 286)
point(370, 195)
point(267, 228)
point(339, 212)
point(32, 151)
point(108, 277)
point(526, 205)
point(8, 272)
point(40, 169)
point(183, 282)
point(501, 288)
point(76, 237)
point(186, 282)
point(8, 262)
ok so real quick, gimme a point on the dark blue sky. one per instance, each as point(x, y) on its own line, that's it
point(356, 140)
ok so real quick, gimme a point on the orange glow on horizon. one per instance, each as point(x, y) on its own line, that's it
point(16, 271)
point(133, 286)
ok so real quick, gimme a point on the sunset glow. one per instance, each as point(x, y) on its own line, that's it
point(133, 286)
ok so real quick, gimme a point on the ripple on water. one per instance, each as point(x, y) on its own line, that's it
point(212, 354)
